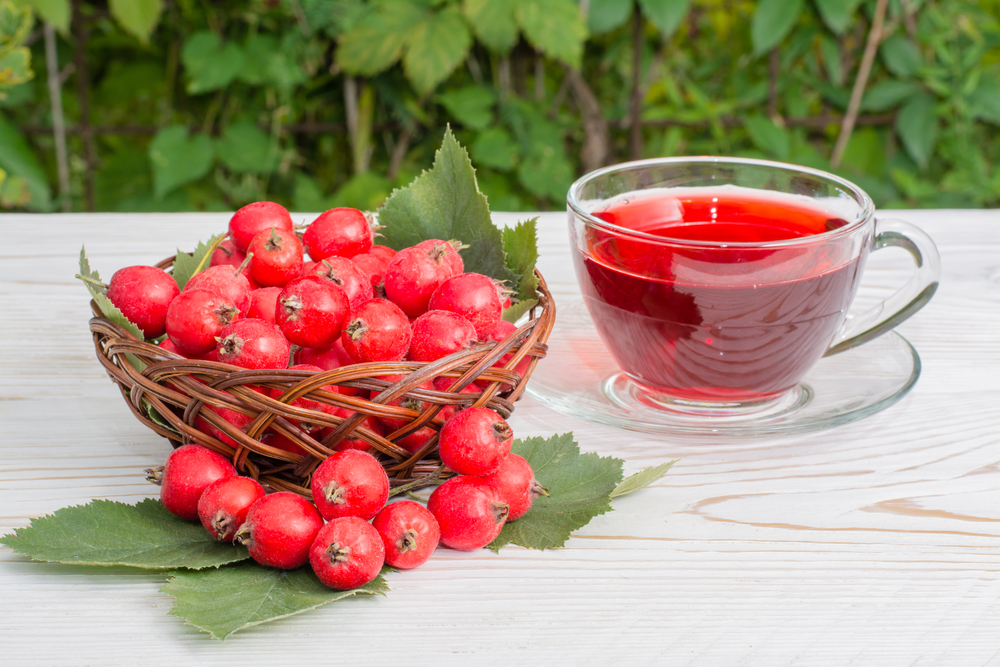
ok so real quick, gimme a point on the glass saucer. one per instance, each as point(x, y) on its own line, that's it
point(578, 377)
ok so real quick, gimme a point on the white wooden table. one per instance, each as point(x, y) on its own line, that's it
point(874, 543)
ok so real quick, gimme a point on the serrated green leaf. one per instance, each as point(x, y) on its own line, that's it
point(917, 127)
point(901, 56)
point(555, 27)
point(642, 479)
point(445, 203)
point(209, 64)
point(495, 148)
point(106, 532)
point(520, 243)
point(579, 486)
point(606, 15)
point(178, 159)
point(886, 94)
point(767, 136)
point(186, 265)
point(772, 21)
point(666, 15)
point(237, 597)
point(56, 12)
point(97, 290)
point(138, 17)
point(246, 149)
point(435, 47)
point(837, 14)
point(493, 22)
point(472, 105)
point(376, 41)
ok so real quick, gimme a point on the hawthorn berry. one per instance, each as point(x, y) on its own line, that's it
point(378, 331)
point(344, 232)
point(515, 481)
point(347, 553)
point(350, 483)
point(409, 533)
point(223, 506)
point(373, 266)
point(475, 441)
point(227, 282)
point(449, 250)
point(438, 333)
point(254, 218)
point(196, 317)
point(469, 512)
point(345, 274)
point(263, 303)
point(471, 295)
point(187, 472)
point(277, 257)
point(253, 344)
point(412, 276)
point(143, 294)
point(311, 311)
point(405, 401)
point(308, 403)
point(280, 529)
point(383, 251)
point(371, 423)
point(227, 254)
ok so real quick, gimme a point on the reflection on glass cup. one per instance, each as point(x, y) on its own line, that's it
point(717, 283)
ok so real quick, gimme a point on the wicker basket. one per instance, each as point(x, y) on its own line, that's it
point(171, 392)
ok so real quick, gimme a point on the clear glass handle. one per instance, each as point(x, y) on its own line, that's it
point(917, 291)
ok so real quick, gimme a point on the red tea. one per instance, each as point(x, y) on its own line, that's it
point(704, 320)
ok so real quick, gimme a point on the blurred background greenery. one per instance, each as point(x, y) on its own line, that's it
point(181, 105)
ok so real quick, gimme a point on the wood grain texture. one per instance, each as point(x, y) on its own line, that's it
point(874, 543)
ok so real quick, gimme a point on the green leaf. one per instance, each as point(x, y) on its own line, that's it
point(246, 149)
point(435, 47)
point(520, 243)
point(767, 136)
point(472, 105)
point(546, 171)
point(266, 63)
point(579, 488)
point(15, 67)
point(901, 56)
point(186, 265)
point(56, 12)
point(105, 532)
point(887, 94)
point(832, 61)
point(606, 15)
point(178, 159)
point(237, 597)
point(495, 148)
point(209, 64)
point(642, 479)
point(16, 21)
point(366, 191)
point(445, 203)
point(985, 101)
point(837, 14)
point(666, 15)
point(554, 27)
point(917, 127)
point(17, 159)
point(97, 290)
point(138, 17)
point(772, 21)
point(376, 41)
point(494, 23)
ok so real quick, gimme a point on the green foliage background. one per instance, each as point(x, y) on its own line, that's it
point(319, 103)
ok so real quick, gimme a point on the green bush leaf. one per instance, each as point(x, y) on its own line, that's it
point(606, 15)
point(97, 290)
point(494, 23)
point(917, 127)
point(642, 479)
point(15, 67)
point(554, 27)
point(768, 137)
point(435, 47)
point(546, 171)
point(16, 21)
point(472, 105)
point(520, 243)
point(495, 148)
point(265, 63)
point(887, 94)
point(666, 15)
point(366, 191)
point(246, 149)
point(837, 14)
point(772, 21)
point(579, 488)
point(105, 532)
point(237, 597)
point(376, 41)
point(138, 17)
point(209, 64)
point(445, 203)
point(901, 56)
point(17, 159)
point(56, 12)
point(985, 101)
point(186, 265)
point(178, 159)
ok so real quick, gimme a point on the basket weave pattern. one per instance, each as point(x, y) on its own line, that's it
point(171, 393)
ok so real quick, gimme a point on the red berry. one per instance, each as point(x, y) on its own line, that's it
point(345, 274)
point(253, 344)
point(168, 345)
point(415, 441)
point(279, 530)
point(223, 506)
point(227, 254)
point(370, 423)
point(449, 250)
point(344, 232)
point(143, 294)
point(412, 276)
point(237, 420)
point(225, 281)
point(372, 265)
point(471, 295)
point(383, 251)
point(188, 471)
point(347, 553)
point(277, 257)
point(475, 441)
point(330, 357)
point(438, 333)
point(311, 311)
point(469, 512)
point(409, 533)
point(378, 331)
point(196, 317)
point(350, 483)
point(308, 403)
point(254, 218)
point(515, 482)
point(404, 401)
point(500, 333)
point(263, 302)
